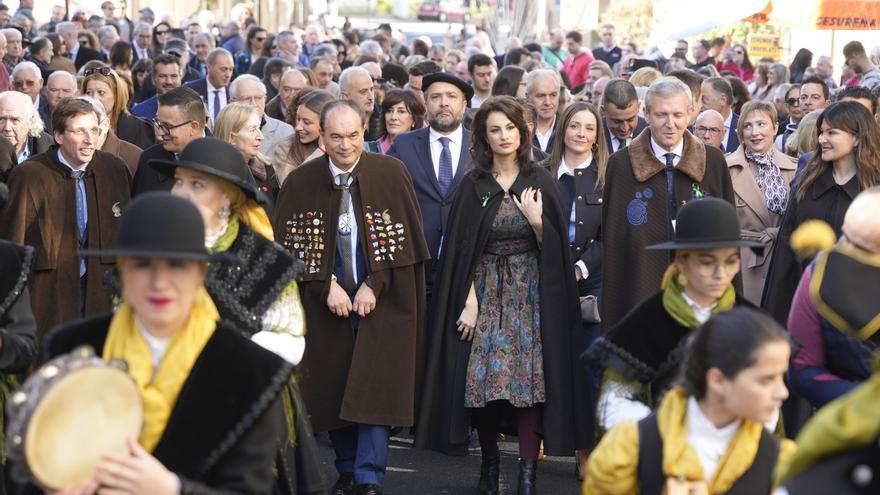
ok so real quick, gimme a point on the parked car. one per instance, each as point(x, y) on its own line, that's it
point(443, 10)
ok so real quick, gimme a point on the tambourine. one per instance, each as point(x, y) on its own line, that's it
point(68, 414)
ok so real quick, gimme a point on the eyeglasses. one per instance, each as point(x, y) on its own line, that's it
point(250, 99)
point(81, 133)
point(708, 268)
point(710, 130)
point(160, 33)
point(24, 84)
point(260, 39)
point(378, 80)
point(792, 102)
point(167, 128)
point(104, 71)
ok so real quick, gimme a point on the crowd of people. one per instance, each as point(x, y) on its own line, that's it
point(612, 254)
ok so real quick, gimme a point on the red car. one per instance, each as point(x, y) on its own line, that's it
point(443, 10)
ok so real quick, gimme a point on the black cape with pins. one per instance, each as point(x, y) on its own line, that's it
point(444, 421)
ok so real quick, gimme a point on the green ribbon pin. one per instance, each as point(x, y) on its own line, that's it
point(485, 200)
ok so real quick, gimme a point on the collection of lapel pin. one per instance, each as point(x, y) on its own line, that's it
point(386, 236)
point(305, 238)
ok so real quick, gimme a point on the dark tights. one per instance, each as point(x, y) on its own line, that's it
point(528, 420)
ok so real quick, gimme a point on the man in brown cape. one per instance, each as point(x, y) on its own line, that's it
point(645, 184)
point(68, 198)
point(353, 219)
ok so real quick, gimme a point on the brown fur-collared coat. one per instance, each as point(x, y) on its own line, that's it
point(755, 220)
point(41, 212)
point(635, 216)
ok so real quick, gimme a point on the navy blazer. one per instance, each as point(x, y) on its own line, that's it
point(640, 126)
point(201, 87)
point(414, 150)
point(146, 109)
point(733, 139)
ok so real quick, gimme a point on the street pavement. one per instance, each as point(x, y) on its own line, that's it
point(420, 472)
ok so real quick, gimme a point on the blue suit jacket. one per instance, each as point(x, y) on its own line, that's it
point(733, 139)
point(640, 126)
point(147, 108)
point(200, 86)
point(414, 150)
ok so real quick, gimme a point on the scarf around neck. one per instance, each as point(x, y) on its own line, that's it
point(680, 310)
point(769, 180)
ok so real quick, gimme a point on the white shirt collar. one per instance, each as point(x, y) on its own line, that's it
point(336, 170)
point(728, 120)
point(709, 443)
point(660, 152)
point(63, 161)
point(74, 50)
point(211, 88)
point(702, 314)
point(455, 136)
point(563, 168)
point(549, 129)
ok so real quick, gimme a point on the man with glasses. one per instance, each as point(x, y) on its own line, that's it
point(142, 42)
point(717, 94)
point(180, 119)
point(795, 114)
point(68, 198)
point(214, 88)
point(166, 77)
point(250, 90)
point(710, 128)
point(26, 78)
point(292, 83)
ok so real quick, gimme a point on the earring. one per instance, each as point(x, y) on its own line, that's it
point(595, 146)
point(682, 280)
point(224, 213)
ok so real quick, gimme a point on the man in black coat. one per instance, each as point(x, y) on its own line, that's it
point(78, 53)
point(182, 119)
point(620, 114)
point(422, 152)
point(717, 94)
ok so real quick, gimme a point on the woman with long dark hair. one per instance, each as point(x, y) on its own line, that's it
point(505, 332)
point(304, 144)
point(510, 81)
point(402, 111)
point(253, 49)
point(577, 161)
point(160, 36)
point(708, 434)
point(802, 60)
point(846, 161)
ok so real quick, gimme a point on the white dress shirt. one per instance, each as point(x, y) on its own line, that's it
point(73, 51)
point(210, 101)
point(727, 130)
point(564, 170)
point(455, 142)
point(544, 139)
point(660, 152)
point(142, 52)
point(617, 143)
point(352, 220)
point(702, 314)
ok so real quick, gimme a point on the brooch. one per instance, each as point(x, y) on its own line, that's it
point(386, 236)
point(485, 200)
point(304, 239)
point(116, 209)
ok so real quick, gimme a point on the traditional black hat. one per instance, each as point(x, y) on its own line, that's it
point(707, 223)
point(446, 77)
point(214, 157)
point(160, 225)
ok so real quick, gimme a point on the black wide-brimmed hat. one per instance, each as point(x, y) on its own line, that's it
point(446, 77)
point(217, 158)
point(160, 225)
point(707, 223)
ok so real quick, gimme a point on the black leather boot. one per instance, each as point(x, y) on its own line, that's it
point(528, 471)
point(490, 470)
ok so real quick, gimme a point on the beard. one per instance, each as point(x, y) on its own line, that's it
point(443, 123)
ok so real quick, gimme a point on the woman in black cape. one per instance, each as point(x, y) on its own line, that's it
point(553, 398)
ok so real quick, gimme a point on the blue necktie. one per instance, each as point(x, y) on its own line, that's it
point(216, 104)
point(445, 175)
point(670, 188)
point(82, 214)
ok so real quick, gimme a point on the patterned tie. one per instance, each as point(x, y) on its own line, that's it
point(670, 188)
point(621, 143)
point(216, 104)
point(82, 215)
point(445, 175)
point(343, 237)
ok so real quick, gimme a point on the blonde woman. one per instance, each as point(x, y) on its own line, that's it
point(239, 125)
point(105, 85)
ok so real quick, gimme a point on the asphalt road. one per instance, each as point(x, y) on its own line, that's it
point(420, 472)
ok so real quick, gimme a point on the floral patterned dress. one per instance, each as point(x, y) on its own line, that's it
point(506, 360)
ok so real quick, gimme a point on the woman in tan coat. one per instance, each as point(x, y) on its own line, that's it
point(761, 175)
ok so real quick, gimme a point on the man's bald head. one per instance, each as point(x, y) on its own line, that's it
point(709, 127)
point(861, 225)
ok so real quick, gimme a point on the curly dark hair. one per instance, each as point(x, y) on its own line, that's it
point(481, 152)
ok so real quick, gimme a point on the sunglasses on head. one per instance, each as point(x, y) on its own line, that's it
point(104, 71)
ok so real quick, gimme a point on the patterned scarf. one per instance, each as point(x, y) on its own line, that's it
point(769, 180)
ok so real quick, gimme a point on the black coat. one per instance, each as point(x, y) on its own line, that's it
point(147, 178)
point(225, 426)
point(587, 244)
point(443, 422)
point(826, 201)
point(40, 144)
point(17, 323)
point(136, 131)
point(85, 54)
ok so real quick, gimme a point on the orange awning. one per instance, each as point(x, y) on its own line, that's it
point(821, 14)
